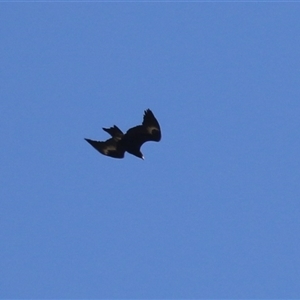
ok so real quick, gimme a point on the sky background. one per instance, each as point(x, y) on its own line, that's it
point(214, 209)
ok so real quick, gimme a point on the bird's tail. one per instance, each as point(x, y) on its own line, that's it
point(115, 132)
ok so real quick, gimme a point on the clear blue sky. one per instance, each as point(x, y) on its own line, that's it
point(212, 212)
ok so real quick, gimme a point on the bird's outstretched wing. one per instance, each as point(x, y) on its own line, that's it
point(148, 131)
point(136, 136)
point(151, 125)
point(111, 147)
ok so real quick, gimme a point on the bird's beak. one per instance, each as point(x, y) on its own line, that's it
point(143, 157)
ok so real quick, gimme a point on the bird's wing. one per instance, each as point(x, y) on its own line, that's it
point(136, 136)
point(151, 126)
point(110, 147)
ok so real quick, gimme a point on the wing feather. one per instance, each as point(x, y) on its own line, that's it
point(110, 147)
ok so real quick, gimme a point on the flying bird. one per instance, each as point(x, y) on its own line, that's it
point(132, 140)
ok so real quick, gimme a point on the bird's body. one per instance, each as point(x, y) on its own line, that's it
point(132, 140)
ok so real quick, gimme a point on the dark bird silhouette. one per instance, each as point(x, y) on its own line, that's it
point(132, 140)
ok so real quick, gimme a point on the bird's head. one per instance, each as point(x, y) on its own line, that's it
point(140, 155)
point(137, 153)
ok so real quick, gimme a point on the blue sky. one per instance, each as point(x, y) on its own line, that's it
point(213, 210)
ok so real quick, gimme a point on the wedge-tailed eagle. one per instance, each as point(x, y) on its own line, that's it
point(132, 140)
